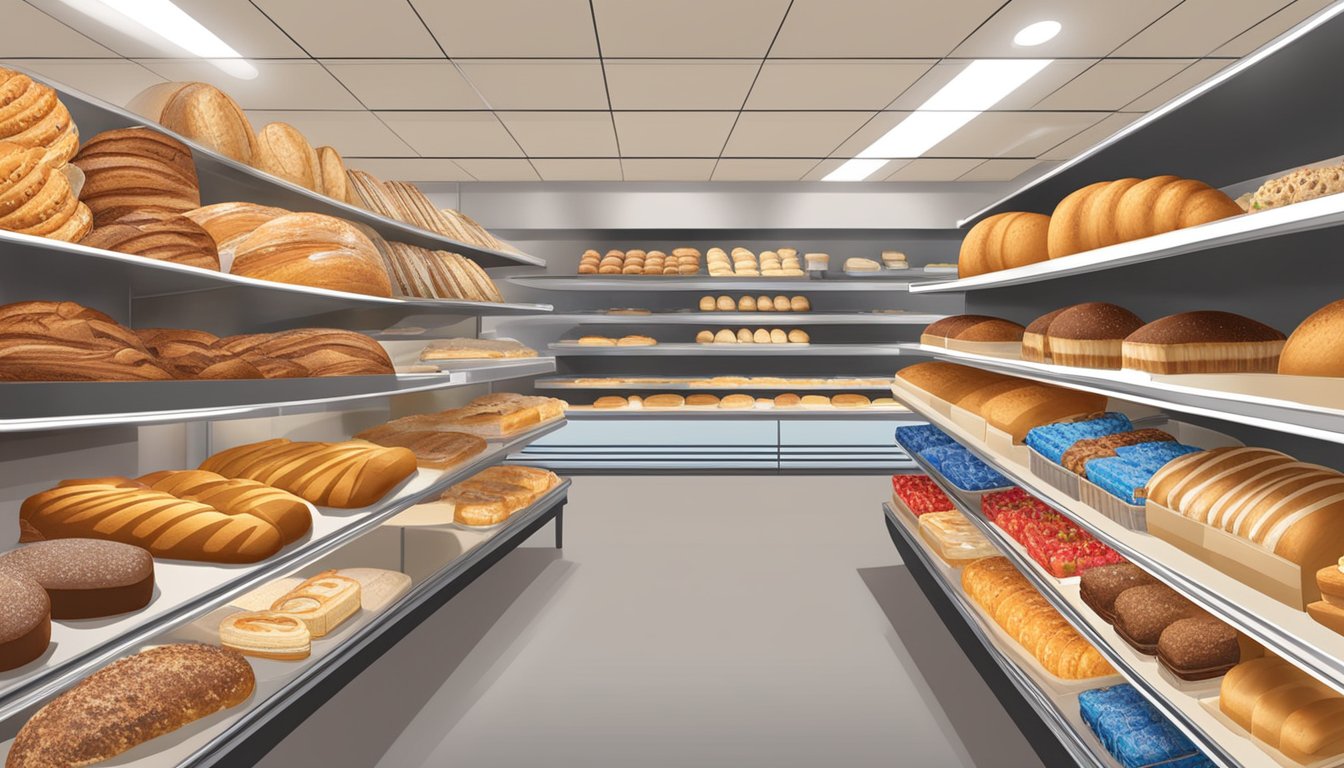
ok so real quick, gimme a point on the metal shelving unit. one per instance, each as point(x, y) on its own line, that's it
point(736, 318)
point(574, 349)
point(698, 413)
point(687, 384)
point(631, 283)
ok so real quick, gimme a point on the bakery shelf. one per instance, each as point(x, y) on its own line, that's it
point(735, 318)
point(829, 413)
point(223, 179)
point(633, 283)
point(1284, 630)
point(170, 292)
point(52, 405)
point(187, 590)
point(684, 383)
point(485, 371)
point(1320, 213)
point(1058, 713)
point(1143, 672)
point(1172, 392)
point(574, 349)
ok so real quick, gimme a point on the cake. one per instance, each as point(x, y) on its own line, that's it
point(1316, 347)
point(1203, 342)
point(1090, 335)
point(1099, 587)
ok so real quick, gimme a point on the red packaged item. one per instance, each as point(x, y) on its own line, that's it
point(920, 494)
point(1051, 539)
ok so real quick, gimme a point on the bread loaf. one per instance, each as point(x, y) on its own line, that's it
point(947, 381)
point(1065, 235)
point(207, 116)
point(1203, 342)
point(436, 449)
point(282, 151)
point(136, 170)
point(334, 183)
point(287, 512)
point(974, 258)
point(1316, 347)
point(1134, 212)
point(25, 620)
point(1017, 411)
point(36, 198)
point(50, 341)
point(939, 331)
point(320, 351)
point(123, 510)
point(1035, 338)
point(1283, 707)
point(194, 355)
point(31, 115)
point(229, 223)
point(351, 474)
point(130, 702)
point(166, 237)
point(492, 495)
point(315, 250)
point(1098, 216)
point(1090, 335)
point(85, 578)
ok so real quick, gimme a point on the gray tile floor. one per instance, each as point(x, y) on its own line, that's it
point(707, 621)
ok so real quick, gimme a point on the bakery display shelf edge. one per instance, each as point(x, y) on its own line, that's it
point(206, 586)
point(1257, 410)
point(1180, 707)
point(157, 279)
point(1321, 213)
point(483, 371)
point(687, 384)
point(694, 413)
point(575, 349)
point(1282, 629)
point(1069, 733)
point(235, 181)
point(626, 284)
point(736, 318)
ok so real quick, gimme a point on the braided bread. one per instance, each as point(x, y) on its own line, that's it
point(345, 475)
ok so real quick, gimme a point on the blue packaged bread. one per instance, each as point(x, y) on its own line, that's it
point(1129, 471)
point(1153, 456)
point(1134, 731)
point(1052, 440)
point(922, 437)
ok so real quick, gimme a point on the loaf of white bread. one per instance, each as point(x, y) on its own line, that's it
point(350, 474)
point(1284, 708)
point(492, 495)
point(132, 701)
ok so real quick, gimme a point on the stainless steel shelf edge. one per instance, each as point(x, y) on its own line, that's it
point(155, 278)
point(1286, 631)
point(231, 181)
point(1256, 411)
point(735, 318)
point(776, 414)
point(685, 385)
point(1300, 217)
point(706, 283)
point(729, 350)
point(47, 682)
point(274, 397)
point(247, 724)
point(1050, 715)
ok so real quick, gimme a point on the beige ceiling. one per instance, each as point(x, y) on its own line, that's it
point(648, 90)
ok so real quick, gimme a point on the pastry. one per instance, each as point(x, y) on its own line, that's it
point(130, 702)
point(321, 602)
point(25, 620)
point(346, 475)
point(636, 341)
point(737, 402)
point(1203, 342)
point(136, 170)
point(493, 495)
point(597, 341)
point(954, 538)
point(267, 635)
point(207, 116)
point(288, 513)
point(86, 578)
point(702, 400)
point(475, 349)
point(611, 401)
point(1090, 335)
point(1316, 347)
point(1035, 338)
point(314, 250)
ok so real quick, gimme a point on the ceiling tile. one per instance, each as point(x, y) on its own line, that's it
point(688, 28)
point(562, 134)
point(1089, 138)
point(1111, 85)
point(673, 134)
point(43, 35)
point(868, 133)
point(1091, 28)
point(391, 84)
point(660, 169)
point(352, 28)
point(280, 84)
point(356, 133)
point(999, 170)
point(791, 134)
point(237, 22)
point(1014, 134)
point(575, 169)
point(495, 169)
point(1250, 40)
point(550, 28)
point(410, 168)
point(931, 169)
point(679, 84)
point(1196, 27)
point(864, 28)
point(452, 134)
point(1186, 79)
point(113, 80)
point(538, 83)
point(756, 169)
point(1055, 75)
point(832, 83)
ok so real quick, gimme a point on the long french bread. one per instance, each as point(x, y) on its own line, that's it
point(350, 474)
point(233, 496)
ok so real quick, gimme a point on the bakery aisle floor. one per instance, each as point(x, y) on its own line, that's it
point(706, 621)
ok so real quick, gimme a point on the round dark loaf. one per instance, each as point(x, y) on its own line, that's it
point(25, 620)
point(86, 578)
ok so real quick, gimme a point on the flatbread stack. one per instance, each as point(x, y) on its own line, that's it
point(424, 274)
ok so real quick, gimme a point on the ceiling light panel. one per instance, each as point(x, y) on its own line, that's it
point(1092, 28)
point(1036, 34)
point(244, 28)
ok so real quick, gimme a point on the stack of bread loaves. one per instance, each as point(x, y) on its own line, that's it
point(1284, 709)
point(404, 201)
point(743, 263)
point(36, 197)
point(681, 261)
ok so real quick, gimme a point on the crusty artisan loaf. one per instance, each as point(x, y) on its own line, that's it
point(189, 354)
point(63, 341)
point(1316, 347)
point(123, 510)
point(321, 351)
point(490, 496)
point(1017, 411)
point(229, 223)
point(332, 166)
point(163, 236)
point(350, 474)
point(283, 151)
point(207, 116)
point(31, 115)
point(437, 449)
point(312, 249)
point(36, 198)
point(132, 701)
point(136, 170)
point(1065, 235)
point(232, 496)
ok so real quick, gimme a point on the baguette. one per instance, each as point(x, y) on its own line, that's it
point(130, 702)
point(345, 475)
point(288, 513)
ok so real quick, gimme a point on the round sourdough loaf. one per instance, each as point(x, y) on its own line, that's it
point(207, 116)
point(282, 151)
point(1316, 347)
point(314, 250)
point(1099, 214)
point(158, 235)
point(335, 184)
point(1065, 234)
point(25, 620)
point(1134, 212)
point(136, 170)
point(86, 578)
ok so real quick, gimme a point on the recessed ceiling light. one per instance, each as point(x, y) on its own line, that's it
point(1035, 34)
point(165, 20)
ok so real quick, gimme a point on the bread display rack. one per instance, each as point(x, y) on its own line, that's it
point(99, 429)
point(1274, 263)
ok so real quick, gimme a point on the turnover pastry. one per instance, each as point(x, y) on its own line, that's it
point(321, 602)
point(266, 634)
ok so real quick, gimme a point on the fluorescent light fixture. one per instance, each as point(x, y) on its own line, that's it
point(174, 25)
point(981, 85)
point(1035, 34)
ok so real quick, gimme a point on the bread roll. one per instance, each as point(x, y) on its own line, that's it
point(745, 336)
point(725, 336)
point(314, 250)
point(36, 198)
point(1065, 235)
point(1204, 206)
point(764, 303)
point(797, 336)
point(737, 402)
point(702, 399)
point(1021, 241)
point(746, 304)
point(761, 336)
point(850, 401)
point(815, 401)
point(1170, 201)
point(35, 118)
point(704, 337)
point(1099, 214)
point(1135, 210)
point(1316, 347)
point(778, 336)
point(707, 304)
point(611, 401)
point(781, 304)
point(725, 304)
point(788, 400)
point(668, 400)
point(207, 116)
point(800, 304)
point(974, 258)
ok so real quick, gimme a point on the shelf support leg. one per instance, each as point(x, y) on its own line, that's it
point(560, 528)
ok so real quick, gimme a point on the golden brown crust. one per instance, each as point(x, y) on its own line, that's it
point(207, 116)
point(282, 151)
point(1094, 320)
point(286, 249)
